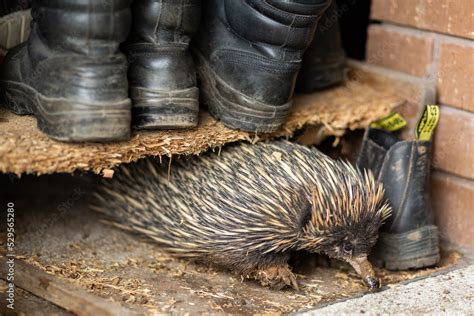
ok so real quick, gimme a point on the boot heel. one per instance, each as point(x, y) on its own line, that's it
point(322, 78)
point(103, 122)
point(235, 109)
point(413, 249)
point(67, 120)
point(172, 109)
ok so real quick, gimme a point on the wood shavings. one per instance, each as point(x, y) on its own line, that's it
point(108, 173)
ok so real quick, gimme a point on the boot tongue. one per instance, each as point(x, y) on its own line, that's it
point(382, 130)
point(427, 123)
point(382, 137)
point(378, 139)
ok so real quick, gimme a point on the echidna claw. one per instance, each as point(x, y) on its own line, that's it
point(294, 283)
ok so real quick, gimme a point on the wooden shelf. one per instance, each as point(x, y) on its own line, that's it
point(24, 149)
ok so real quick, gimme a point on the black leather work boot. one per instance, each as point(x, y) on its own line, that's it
point(409, 238)
point(15, 20)
point(70, 73)
point(162, 73)
point(249, 53)
point(324, 62)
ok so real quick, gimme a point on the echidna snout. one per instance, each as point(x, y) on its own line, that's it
point(343, 245)
point(345, 219)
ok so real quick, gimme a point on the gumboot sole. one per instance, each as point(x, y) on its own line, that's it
point(414, 249)
point(67, 120)
point(233, 108)
point(174, 109)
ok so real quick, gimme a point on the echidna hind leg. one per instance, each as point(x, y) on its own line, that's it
point(277, 277)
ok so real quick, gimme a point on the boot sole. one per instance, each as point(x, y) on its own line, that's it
point(174, 109)
point(69, 121)
point(323, 78)
point(233, 108)
point(14, 29)
point(414, 249)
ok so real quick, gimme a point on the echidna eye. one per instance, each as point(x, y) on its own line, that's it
point(347, 248)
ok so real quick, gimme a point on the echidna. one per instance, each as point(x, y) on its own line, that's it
point(251, 206)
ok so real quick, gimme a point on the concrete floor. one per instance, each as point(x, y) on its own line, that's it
point(445, 294)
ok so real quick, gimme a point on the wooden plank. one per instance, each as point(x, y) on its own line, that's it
point(60, 293)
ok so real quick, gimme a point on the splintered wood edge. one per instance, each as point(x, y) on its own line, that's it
point(66, 295)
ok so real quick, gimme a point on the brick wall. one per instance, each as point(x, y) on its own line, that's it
point(434, 41)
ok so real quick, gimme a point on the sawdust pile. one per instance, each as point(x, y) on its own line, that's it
point(106, 281)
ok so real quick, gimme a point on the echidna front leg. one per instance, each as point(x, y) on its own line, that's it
point(277, 277)
point(269, 269)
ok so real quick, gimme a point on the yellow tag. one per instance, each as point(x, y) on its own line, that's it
point(391, 123)
point(427, 122)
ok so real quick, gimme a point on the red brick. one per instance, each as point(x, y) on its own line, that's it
point(416, 91)
point(392, 48)
point(454, 143)
point(456, 74)
point(453, 200)
point(452, 17)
